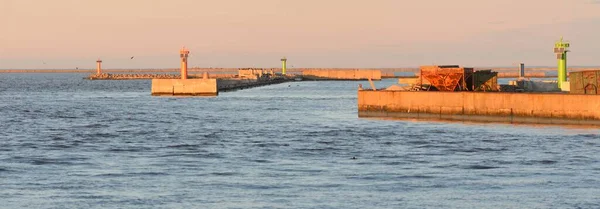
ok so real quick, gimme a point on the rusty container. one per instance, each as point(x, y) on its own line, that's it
point(484, 80)
point(446, 77)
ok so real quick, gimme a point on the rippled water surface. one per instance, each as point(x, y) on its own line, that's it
point(66, 142)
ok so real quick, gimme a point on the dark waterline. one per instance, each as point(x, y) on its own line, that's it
point(67, 142)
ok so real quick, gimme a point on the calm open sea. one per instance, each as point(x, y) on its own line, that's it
point(66, 142)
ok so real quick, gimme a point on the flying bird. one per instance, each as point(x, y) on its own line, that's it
point(131, 58)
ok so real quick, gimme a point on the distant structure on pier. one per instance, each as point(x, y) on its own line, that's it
point(521, 70)
point(98, 67)
point(183, 54)
point(283, 65)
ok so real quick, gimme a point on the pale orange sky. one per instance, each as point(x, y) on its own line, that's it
point(311, 33)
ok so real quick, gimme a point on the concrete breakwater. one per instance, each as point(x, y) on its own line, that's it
point(538, 108)
point(208, 86)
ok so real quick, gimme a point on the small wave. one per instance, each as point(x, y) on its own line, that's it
point(145, 132)
point(388, 156)
point(364, 177)
point(262, 161)
point(193, 154)
point(148, 121)
point(48, 161)
point(418, 142)
point(327, 185)
point(60, 146)
point(110, 175)
point(325, 142)
point(66, 117)
point(589, 136)
point(272, 145)
point(212, 135)
point(387, 143)
point(481, 167)
point(129, 149)
point(148, 174)
point(224, 173)
point(503, 162)
point(103, 135)
point(417, 177)
point(473, 150)
point(184, 146)
point(395, 163)
point(540, 162)
point(5, 170)
point(297, 170)
point(261, 187)
point(433, 146)
point(58, 138)
point(57, 129)
point(132, 174)
point(15, 121)
point(438, 132)
point(95, 125)
point(491, 141)
point(311, 150)
point(92, 197)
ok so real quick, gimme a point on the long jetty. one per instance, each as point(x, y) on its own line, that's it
point(139, 76)
point(151, 73)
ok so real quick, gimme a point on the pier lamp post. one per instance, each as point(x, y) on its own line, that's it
point(98, 66)
point(283, 65)
point(183, 54)
point(560, 49)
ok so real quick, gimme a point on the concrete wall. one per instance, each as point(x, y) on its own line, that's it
point(584, 82)
point(536, 86)
point(342, 74)
point(475, 106)
point(184, 87)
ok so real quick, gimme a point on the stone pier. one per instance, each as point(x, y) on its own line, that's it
point(541, 108)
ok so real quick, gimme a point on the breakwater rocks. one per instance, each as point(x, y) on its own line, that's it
point(108, 76)
point(238, 84)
